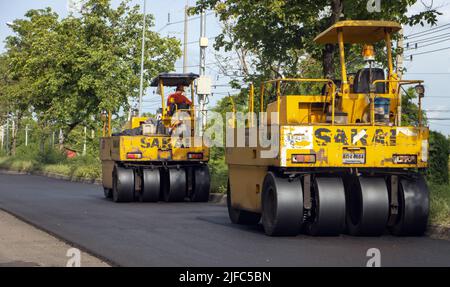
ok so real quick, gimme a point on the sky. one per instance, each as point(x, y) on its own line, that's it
point(433, 67)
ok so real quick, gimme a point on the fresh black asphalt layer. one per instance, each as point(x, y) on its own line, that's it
point(190, 234)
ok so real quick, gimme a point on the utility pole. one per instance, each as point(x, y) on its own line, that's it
point(203, 45)
point(26, 135)
point(141, 85)
point(61, 139)
point(185, 40)
point(2, 132)
point(400, 55)
point(84, 145)
point(13, 129)
point(7, 135)
point(204, 82)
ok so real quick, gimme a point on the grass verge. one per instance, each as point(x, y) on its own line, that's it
point(439, 204)
point(81, 168)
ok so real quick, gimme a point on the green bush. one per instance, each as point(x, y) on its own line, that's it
point(88, 172)
point(219, 170)
point(2, 152)
point(438, 162)
point(439, 204)
point(219, 175)
point(30, 152)
point(16, 164)
point(51, 156)
point(62, 169)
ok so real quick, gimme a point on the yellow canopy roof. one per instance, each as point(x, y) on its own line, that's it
point(357, 31)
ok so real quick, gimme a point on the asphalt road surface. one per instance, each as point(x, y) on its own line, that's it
point(189, 234)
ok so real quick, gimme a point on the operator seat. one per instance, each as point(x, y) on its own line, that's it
point(361, 84)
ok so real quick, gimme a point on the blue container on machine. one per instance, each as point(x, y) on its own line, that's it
point(382, 106)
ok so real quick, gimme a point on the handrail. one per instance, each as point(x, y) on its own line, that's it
point(233, 107)
point(400, 83)
point(109, 124)
point(251, 105)
point(300, 80)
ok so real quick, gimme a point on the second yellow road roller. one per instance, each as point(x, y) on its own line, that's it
point(346, 163)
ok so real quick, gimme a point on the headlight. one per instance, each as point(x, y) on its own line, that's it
point(303, 158)
point(134, 155)
point(195, 155)
point(420, 90)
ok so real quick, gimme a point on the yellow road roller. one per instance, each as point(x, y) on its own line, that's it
point(148, 161)
point(345, 162)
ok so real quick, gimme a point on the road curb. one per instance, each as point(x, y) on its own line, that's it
point(218, 198)
point(12, 172)
point(439, 232)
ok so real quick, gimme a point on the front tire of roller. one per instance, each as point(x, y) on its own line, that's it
point(123, 185)
point(175, 185)
point(414, 206)
point(367, 206)
point(282, 205)
point(328, 208)
point(151, 185)
point(201, 184)
point(238, 216)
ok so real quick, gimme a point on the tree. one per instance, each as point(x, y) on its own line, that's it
point(14, 99)
point(438, 162)
point(280, 32)
point(80, 66)
point(410, 110)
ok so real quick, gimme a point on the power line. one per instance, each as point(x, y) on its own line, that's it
point(428, 39)
point(436, 111)
point(430, 44)
point(182, 21)
point(211, 63)
point(428, 52)
point(441, 125)
point(196, 42)
point(431, 73)
point(427, 32)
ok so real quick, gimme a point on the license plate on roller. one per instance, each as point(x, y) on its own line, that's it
point(354, 156)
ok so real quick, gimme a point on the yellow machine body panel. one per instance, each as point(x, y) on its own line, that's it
point(353, 146)
point(369, 147)
point(151, 148)
point(357, 31)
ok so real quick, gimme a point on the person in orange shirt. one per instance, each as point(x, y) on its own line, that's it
point(178, 101)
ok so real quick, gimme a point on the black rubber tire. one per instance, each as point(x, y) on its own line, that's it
point(107, 192)
point(328, 207)
point(367, 206)
point(123, 185)
point(282, 205)
point(238, 216)
point(201, 184)
point(174, 185)
point(414, 207)
point(151, 185)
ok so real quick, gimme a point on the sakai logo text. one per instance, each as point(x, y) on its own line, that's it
point(164, 143)
point(354, 137)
